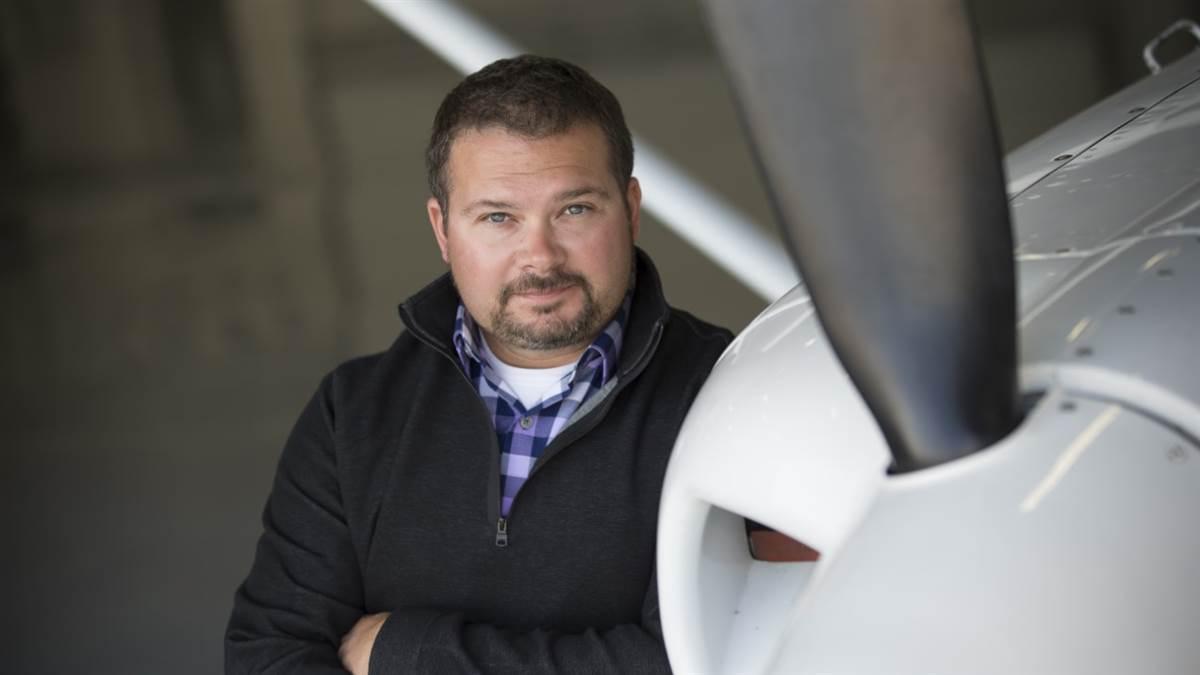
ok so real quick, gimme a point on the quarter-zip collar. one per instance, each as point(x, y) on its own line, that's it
point(430, 314)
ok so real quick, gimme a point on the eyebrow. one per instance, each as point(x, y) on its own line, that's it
point(574, 193)
point(486, 204)
point(581, 191)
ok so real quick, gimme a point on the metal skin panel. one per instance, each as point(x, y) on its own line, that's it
point(1038, 158)
point(1134, 180)
point(1068, 547)
point(1136, 312)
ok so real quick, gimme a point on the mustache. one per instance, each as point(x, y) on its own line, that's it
point(531, 282)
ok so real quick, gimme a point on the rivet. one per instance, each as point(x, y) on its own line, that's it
point(1176, 454)
point(1125, 309)
point(1135, 111)
point(1083, 351)
point(1062, 250)
point(1066, 406)
point(1063, 158)
point(1166, 272)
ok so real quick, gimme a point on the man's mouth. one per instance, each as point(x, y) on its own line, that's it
point(542, 289)
point(540, 293)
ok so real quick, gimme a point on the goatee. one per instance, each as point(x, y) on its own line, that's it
point(548, 332)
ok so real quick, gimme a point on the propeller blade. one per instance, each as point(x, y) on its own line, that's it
point(871, 122)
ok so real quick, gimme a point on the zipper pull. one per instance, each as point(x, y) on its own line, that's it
point(502, 532)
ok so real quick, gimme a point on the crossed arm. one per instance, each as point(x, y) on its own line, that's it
point(302, 608)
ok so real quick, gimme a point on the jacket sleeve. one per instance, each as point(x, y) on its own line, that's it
point(431, 641)
point(304, 590)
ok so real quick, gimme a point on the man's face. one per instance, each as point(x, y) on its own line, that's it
point(539, 239)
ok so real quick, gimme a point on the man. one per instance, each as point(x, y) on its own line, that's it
point(483, 496)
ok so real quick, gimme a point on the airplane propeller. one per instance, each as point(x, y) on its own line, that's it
point(871, 122)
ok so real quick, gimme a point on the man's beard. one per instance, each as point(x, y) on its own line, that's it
point(547, 332)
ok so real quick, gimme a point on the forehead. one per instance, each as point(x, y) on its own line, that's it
point(493, 158)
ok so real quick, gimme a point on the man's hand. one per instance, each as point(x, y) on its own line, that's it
point(355, 651)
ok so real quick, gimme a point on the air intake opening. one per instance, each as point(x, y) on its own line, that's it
point(768, 545)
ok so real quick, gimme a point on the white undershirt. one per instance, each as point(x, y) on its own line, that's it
point(531, 385)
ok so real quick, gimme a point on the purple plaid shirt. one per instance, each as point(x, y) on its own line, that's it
point(525, 433)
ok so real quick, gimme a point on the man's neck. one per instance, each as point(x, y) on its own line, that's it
point(534, 358)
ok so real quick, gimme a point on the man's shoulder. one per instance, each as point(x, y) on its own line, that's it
point(364, 393)
point(691, 344)
point(369, 371)
point(695, 329)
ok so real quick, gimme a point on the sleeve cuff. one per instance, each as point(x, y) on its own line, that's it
point(398, 644)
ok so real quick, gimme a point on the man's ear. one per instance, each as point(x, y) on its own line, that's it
point(633, 201)
point(437, 219)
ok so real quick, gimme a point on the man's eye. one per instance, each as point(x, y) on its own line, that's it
point(576, 209)
point(497, 217)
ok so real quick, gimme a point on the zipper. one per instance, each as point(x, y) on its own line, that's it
point(493, 485)
point(565, 439)
point(494, 498)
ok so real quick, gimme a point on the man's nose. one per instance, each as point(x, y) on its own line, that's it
point(542, 249)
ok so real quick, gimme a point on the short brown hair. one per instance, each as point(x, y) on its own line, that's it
point(534, 96)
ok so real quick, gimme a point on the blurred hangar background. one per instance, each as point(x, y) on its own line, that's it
point(205, 205)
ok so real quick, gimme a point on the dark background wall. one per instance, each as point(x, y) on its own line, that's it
point(206, 205)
